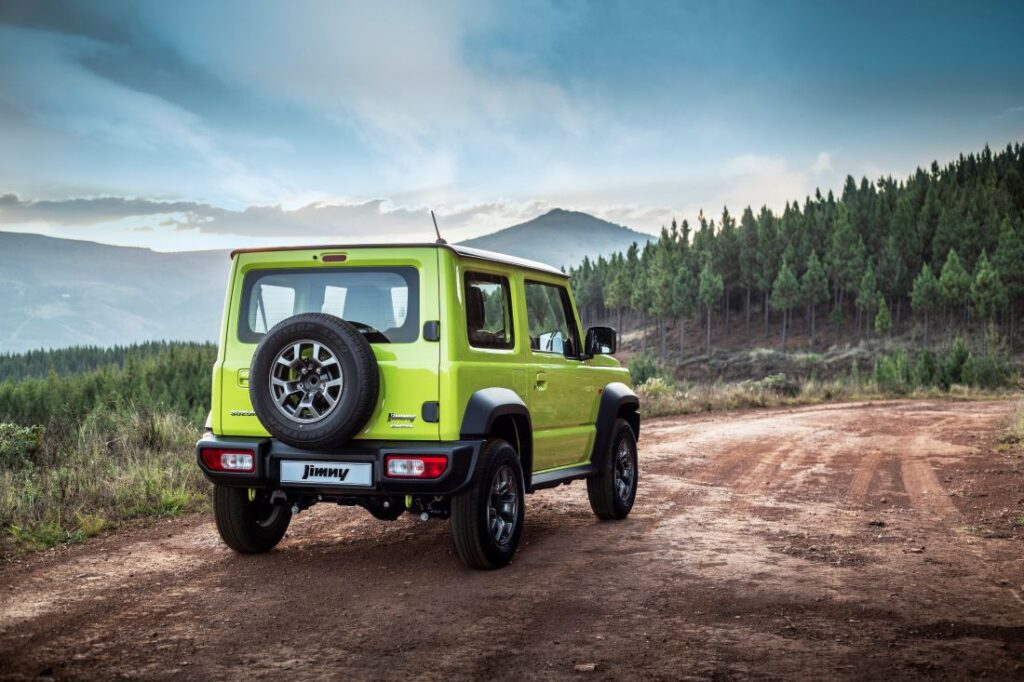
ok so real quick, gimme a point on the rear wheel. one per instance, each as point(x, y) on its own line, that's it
point(613, 491)
point(487, 517)
point(247, 521)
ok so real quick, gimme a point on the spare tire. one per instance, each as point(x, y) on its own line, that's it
point(314, 381)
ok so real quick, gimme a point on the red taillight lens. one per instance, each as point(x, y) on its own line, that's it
point(220, 459)
point(415, 466)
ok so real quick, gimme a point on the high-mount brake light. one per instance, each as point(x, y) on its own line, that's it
point(415, 466)
point(221, 459)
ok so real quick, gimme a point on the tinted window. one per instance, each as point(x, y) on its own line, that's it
point(550, 320)
point(381, 302)
point(488, 311)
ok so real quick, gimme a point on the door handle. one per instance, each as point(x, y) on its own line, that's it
point(542, 381)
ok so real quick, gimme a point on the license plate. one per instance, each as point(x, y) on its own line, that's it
point(326, 473)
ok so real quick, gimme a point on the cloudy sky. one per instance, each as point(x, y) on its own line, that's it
point(187, 125)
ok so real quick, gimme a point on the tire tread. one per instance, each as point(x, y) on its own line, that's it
point(236, 526)
point(601, 488)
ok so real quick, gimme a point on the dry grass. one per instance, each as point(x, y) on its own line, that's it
point(658, 398)
point(112, 467)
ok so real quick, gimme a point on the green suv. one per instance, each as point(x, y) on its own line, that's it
point(431, 379)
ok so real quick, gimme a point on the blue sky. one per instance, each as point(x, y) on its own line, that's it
point(191, 125)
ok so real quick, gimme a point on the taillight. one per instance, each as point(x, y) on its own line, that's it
point(220, 459)
point(415, 466)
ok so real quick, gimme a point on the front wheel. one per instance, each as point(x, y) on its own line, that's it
point(613, 490)
point(487, 517)
point(247, 521)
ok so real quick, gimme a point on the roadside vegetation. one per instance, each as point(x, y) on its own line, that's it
point(81, 451)
point(955, 372)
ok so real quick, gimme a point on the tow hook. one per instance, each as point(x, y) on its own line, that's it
point(427, 508)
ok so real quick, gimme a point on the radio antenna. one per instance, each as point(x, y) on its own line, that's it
point(437, 231)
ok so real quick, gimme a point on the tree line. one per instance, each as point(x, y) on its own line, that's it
point(165, 377)
point(78, 359)
point(942, 248)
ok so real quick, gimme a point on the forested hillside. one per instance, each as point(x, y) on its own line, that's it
point(78, 359)
point(61, 389)
point(938, 252)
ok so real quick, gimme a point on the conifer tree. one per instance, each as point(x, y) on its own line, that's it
point(785, 294)
point(685, 287)
point(867, 296)
point(727, 256)
point(956, 283)
point(987, 293)
point(926, 297)
point(663, 270)
point(616, 293)
point(748, 258)
point(768, 252)
point(814, 289)
point(883, 323)
point(1009, 263)
point(711, 288)
point(845, 257)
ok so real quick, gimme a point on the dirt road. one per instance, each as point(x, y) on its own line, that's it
point(878, 540)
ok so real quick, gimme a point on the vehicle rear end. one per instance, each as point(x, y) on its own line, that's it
point(295, 321)
point(391, 291)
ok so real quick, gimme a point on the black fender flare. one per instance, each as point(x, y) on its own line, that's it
point(616, 399)
point(488, 404)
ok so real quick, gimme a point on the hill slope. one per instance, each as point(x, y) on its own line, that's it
point(64, 292)
point(560, 238)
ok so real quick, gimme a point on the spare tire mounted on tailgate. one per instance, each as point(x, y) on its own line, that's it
point(314, 381)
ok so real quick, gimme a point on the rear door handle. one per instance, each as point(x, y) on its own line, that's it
point(542, 381)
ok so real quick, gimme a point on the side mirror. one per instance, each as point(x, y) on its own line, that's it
point(601, 341)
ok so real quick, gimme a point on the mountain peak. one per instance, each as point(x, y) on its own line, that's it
point(561, 238)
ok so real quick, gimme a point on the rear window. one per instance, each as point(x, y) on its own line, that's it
point(383, 303)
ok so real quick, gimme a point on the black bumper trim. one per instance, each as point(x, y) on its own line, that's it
point(462, 458)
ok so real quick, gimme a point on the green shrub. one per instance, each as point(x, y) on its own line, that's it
point(644, 366)
point(926, 369)
point(779, 384)
point(892, 372)
point(986, 371)
point(19, 444)
point(952, 370)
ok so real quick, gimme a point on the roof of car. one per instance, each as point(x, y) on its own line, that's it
point(464, 251)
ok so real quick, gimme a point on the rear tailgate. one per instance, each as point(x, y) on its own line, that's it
point(409, 367)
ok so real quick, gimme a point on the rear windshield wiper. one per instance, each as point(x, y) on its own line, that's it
point(372, 334)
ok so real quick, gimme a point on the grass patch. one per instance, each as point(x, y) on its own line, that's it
point(77, 482)
point(659, 397)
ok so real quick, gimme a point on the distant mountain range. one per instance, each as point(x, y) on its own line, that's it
point(63, 292)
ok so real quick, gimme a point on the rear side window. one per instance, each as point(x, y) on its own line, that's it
point(383, 303)
point(488, 311)
point(550, 320)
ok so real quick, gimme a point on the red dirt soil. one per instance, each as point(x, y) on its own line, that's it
point(877, 540)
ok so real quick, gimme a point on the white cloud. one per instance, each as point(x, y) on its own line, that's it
point(822, 164)
point(397, 74)
point(357, 220)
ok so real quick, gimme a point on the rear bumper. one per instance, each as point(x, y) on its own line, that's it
point(270, 453)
